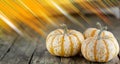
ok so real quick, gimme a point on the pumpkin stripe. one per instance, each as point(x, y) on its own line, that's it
point(107, 54)
point(62, 47)
point(103, 34)
point(95, 51)
point(59, 31)
point(85, 36)
point(71, 45)
point(51, 48)
point(93, 33)
point(54, 34)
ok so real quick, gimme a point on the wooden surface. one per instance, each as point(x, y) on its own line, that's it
point(18, 50)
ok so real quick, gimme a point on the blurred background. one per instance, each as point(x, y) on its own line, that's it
point(36, 18)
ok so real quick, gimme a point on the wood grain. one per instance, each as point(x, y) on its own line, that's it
point(20, 52)
point(5, 45)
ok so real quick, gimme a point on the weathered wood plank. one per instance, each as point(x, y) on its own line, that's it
point(69, 60)
point(42, 56)
point(79, 59)
point(6, 44)
point(20, 53)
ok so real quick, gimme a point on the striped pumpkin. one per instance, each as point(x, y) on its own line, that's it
point(60, 44)
point(101, 47)
point(93, 32)
point(101, 50)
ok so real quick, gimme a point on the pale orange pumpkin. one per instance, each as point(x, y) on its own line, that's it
point(100, 48)
point(64, 42)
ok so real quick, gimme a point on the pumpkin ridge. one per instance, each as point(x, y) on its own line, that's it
point(95, 51)
point(71, 45)
point(107, 54)
point(59, 31)
point(93, 33)
point(103, 34)
point(62, 47)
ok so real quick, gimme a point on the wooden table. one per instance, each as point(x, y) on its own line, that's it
point(18, 50)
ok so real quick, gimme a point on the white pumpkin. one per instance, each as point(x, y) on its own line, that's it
point(64, 42)
point(92, 32)
point(100, 48)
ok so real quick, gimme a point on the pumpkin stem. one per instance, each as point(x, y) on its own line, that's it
point(64, 26)
point(101, 29)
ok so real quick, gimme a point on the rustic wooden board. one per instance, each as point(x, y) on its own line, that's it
point(113, 61)
point(5, 45)
point(79, 59)
point(67, 61)
point(42, 56)
point(20, 52)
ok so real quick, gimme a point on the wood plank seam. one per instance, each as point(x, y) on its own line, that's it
point(20, 52)
point(30, 60)
point(8, 48)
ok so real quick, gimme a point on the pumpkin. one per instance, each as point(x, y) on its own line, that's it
point(64, 42)
point(100, 48)
point(92, 32)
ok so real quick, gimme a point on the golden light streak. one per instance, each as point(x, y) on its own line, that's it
point(41, 15)
point(66, 14)
point(7, 21)
point(5, 27)
point(26, 7)
point(23, 19)
point(34, 14)
point(42, 12)
point(76, 10)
